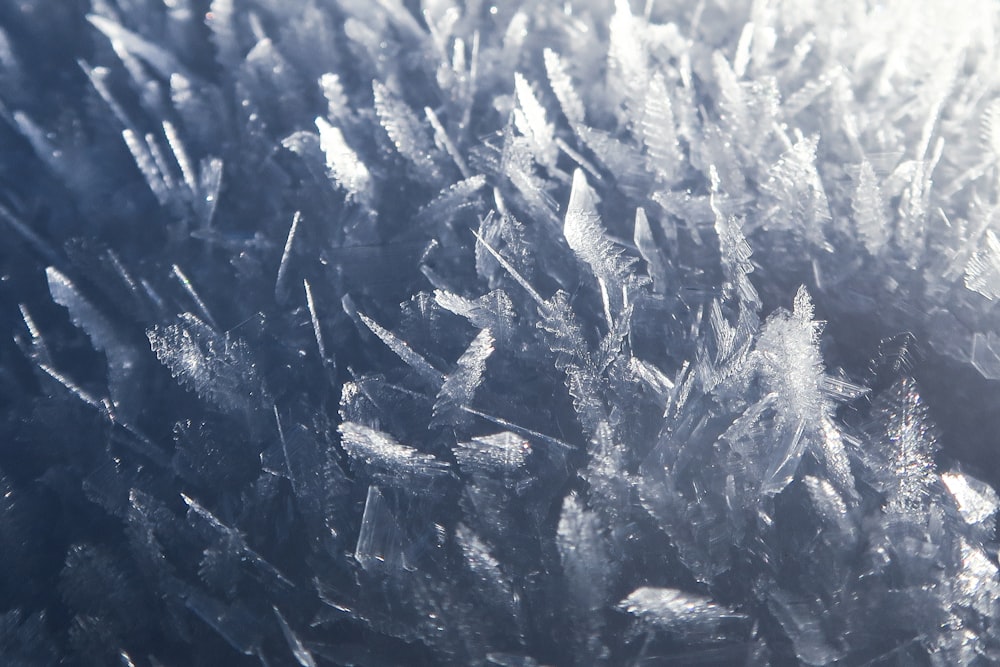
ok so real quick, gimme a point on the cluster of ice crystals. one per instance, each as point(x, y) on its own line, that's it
point(439, 332)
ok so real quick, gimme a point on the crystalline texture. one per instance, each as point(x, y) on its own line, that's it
point(379, 540)
point(406, 132)
point(388, 460)
point(460, 386)
point(530, 120)
point(215, 366)
point(586, 237)
point(345, 165)
point(122, 359)
point(911, 447)
point(976, 500)
point(672, 609)
point(982, 273)
point(501, 452)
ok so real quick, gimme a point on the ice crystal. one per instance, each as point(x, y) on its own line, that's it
point(215, 366)
point(670, 608)
point(440, 333)
point(344, 164)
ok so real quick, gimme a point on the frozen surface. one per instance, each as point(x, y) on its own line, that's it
point(439, 332)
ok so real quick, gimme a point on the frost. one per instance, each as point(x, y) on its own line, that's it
point(976, 500)
point(164, 62)
point(626, 54)
point(388, 461)
point(982, 273)
point(454, 199)
point(144, 159)
point(460, 386)
point(345, 165)
point(379, 540)
point(503, 452)
point(403, 350)
point(336, 100)
point(562, 86)
point(977, 582)
point(406, 132)
point(493, 311)
point(581, 367)
point(792, 367)
point(301, 653)
point(658, 132)
point(586, 237)
point(531, 122)
point(218, 368)
point(910, 446)
point(794, 181)
point(672, 609)
point(122, 359)
point(869, 210)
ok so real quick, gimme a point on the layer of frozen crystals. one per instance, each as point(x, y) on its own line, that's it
point(440, 332)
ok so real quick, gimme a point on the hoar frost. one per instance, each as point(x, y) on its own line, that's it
point(443, 333)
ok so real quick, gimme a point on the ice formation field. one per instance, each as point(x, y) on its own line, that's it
point(435, 332)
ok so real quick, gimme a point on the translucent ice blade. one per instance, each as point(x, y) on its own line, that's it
point(583, 553)
point(786, 460)
point(510, 269)
point(801, 621)
point(404, 351)
point(460, 385)
point(493, 585)
point(379, 541)
point(301, 653)
point(587, 569)
point(286, 254)
point(646, 243)
point(985, 354)
point(236, 538)
point(234, 623)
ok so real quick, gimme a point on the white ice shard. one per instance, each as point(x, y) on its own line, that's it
point(387, 459)
point(673, 609)
point(976, 500)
